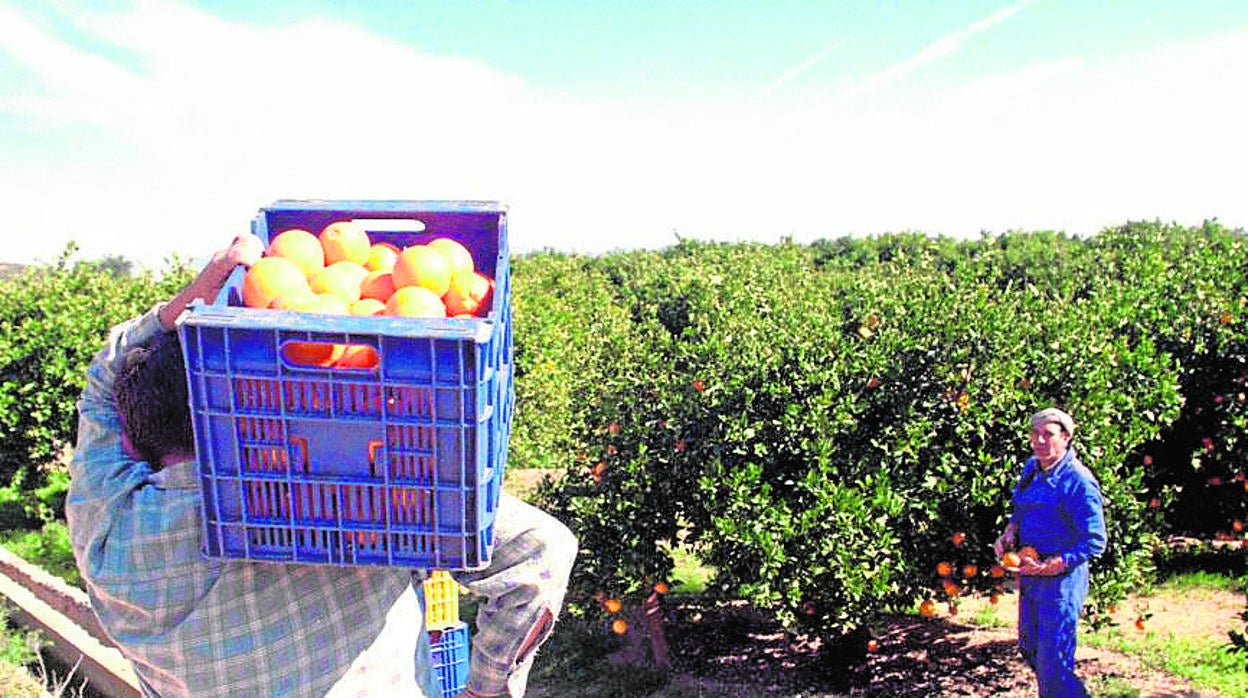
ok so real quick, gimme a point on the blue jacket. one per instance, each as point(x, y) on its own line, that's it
point(1059, 512)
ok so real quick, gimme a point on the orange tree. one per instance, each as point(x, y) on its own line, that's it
point(53, 318)
point(824, 424)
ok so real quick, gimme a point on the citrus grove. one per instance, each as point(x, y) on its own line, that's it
point(832, 430)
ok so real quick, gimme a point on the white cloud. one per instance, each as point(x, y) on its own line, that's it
point(221, 118)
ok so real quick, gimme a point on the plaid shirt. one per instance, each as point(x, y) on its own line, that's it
point(199, 627)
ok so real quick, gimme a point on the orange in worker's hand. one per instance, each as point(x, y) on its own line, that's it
point(415, 301)
point(381, 256)
point(1028, 553)
point(341, 279)
point(345, 241)
point(458, 255)
point(271, 278)
point(368, 306)
point(468, 293)
point(300, 247)
point(378, 284)
point(1011, 560)
point(422, 265)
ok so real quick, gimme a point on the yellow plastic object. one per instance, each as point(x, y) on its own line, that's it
point(441, 600)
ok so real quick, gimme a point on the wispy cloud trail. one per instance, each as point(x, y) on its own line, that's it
point(797, 70)
point(934, 51)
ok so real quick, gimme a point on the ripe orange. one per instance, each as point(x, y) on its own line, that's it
point(468, 293)
point(326, 303)
point(311, 353)
point(873, 645)
point(455, 253)
point(958, 538)
point(300, 247)
point(415, 301)
point(1139, 623)
point(969, 571)
point(341, 279)
point(612, 605)
point(944, 569)
point(619, 626)
point(381, 256)
point(368, 306)
point(1011, 560)
point(996, 571)
point(660, 588)
point(422, 265)
point(297, 296)
point(927, 608)
point(271, 278)
point(1028, 552)
point(357, 356)
point(951, 588)
point(378, 284)
point(345, 241)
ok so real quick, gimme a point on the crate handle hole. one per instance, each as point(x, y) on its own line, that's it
point(395, 225)
point(332, 355)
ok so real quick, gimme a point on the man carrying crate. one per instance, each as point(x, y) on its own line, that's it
point(193, 626)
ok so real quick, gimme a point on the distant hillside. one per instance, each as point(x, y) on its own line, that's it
point(7, 270)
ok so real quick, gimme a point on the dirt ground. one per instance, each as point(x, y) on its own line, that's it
point(730, 652)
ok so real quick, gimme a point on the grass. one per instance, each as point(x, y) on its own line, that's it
point(23, 673)
point(988, 617)
point(1112, 687)
point(689, 576)
point(48, 547)
point(1201, 581)
point(1209, 663)
point(578, 661)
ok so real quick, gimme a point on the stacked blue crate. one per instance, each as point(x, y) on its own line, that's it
point(450, 651)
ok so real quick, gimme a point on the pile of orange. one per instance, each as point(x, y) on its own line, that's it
point(341, 271)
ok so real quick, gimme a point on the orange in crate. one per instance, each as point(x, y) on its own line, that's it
point(441, 601)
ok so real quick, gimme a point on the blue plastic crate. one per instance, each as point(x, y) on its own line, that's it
point(449, 649)
point(400, 464)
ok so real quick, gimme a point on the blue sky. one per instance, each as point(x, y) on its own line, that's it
point(157, 127)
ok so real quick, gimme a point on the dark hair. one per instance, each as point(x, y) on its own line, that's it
point(151, 397)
